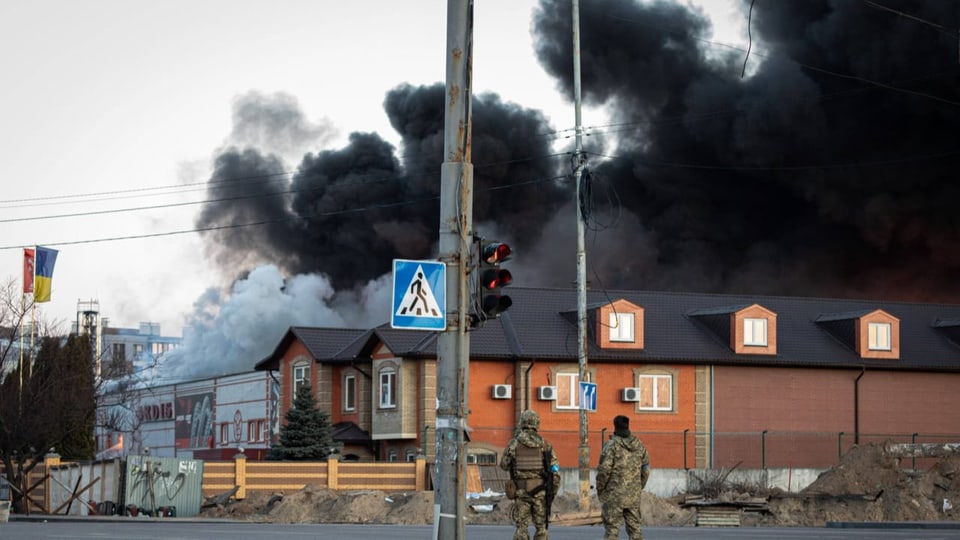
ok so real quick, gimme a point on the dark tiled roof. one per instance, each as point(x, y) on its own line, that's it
point(321, 342)
point(671, 336)
point(539, 326)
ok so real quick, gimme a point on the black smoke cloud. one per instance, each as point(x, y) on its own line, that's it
point(799, 176)
point(347, 213)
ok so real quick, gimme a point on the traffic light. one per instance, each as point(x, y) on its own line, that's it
point(492, 278)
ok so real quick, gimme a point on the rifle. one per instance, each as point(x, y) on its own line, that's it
point(547, 475)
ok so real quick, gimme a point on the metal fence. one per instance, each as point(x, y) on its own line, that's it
point(689, 449)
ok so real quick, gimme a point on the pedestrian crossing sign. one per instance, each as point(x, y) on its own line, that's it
point(419, 295)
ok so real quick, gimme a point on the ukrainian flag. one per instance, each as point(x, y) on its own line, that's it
point(43, 282)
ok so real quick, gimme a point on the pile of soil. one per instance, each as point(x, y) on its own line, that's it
point(871, 485)
point(868, 485)
point(314, 504)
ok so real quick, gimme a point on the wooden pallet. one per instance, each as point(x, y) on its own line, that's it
point(718, 516)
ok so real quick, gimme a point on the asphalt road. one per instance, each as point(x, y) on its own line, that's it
point(207, 530)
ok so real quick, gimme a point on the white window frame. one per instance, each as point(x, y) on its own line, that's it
point(622, 327)
point(879, 336)
point(225, 433)
point(754, 332)
point(388, 388)
point(656, 398)
point(301, 376)
point(350, 392)
point(572, 380)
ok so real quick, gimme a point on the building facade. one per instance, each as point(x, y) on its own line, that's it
point(708, 380)
point(204, 419)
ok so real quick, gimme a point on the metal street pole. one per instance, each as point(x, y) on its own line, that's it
point(456, 228)
point(584, 453)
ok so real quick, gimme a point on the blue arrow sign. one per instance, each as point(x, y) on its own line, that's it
point(419, 295)
point(588, 396)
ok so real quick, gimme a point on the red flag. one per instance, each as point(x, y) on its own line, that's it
point(29, 259)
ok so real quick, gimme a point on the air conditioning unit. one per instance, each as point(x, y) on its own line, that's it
point(630, 394)
point(502, 391)
point(547, 393)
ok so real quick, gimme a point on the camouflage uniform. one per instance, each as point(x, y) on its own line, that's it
point(530, 504)
point(621, 476)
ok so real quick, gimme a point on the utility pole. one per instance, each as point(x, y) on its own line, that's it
point(578, 160)
point(456, 229)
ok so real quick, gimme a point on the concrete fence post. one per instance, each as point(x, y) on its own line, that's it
point(51, 459)
point(332, 471)
point(421, 474)
point(240, 474)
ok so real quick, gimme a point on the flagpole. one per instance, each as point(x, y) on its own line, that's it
point(23, 307)
point(33, 325)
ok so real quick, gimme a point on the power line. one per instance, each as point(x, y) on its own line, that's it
point(288, 219)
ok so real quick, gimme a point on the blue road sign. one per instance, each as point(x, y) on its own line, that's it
point(419, 295)
point(588, 396)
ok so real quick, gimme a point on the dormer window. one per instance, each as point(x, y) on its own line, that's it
point(755, 332)
point(621, 327)
point(871, 334)
point(746, 329)
point(617, 325)
point(878, 336)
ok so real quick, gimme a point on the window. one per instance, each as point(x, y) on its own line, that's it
point(119, 352)
point(392, 456)
point(255, 430)
point(568, 391)
point(301, 376)
point(621, 327)
point(755, 332)
point(350, 393)
point(878, 336)
point(656, 392)
point(160, 348)
point(225, 433)
point(137, 350)
point(482, 457)
point(388, 388)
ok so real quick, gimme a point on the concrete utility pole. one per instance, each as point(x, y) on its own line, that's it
point(456, 229)
point(578, 160)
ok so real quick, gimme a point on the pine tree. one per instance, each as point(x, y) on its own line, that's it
point(306, 435)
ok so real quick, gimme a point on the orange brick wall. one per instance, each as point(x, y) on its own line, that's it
point(492, 419)
point(805, 410)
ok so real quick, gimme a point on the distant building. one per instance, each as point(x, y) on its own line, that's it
point(202, 419)
point(122, 351)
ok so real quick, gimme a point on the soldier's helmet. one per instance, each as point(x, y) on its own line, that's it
point(529, 420)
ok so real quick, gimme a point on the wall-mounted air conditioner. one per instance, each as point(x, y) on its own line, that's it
point(630, 394)
point(547, 393)
point(502, 391)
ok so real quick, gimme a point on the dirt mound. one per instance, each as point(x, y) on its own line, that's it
point(870, 485)
point(314, 504)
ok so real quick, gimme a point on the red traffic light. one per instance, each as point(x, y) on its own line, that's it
point(495, 252)
point(495, 278)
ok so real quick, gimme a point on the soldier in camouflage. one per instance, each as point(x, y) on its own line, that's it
point(621, 476)
point(524, 458)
